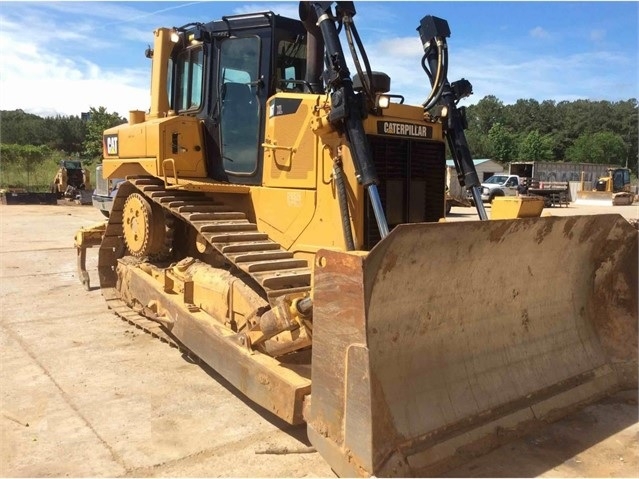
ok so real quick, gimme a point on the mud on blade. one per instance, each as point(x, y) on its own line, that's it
point(447, 338)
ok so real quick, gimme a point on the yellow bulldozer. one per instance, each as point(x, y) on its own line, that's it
point(610, 190)
point(282, 220)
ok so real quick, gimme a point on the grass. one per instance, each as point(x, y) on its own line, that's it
point(37, 181)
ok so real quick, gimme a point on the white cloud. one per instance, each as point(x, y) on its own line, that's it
point(62, 70)
point(39, 81)
point(539, 32)
point(285, 9)
point(133, 34)
point(400, 47)
point(58, 72)
point(597, 35)
point(506, 72)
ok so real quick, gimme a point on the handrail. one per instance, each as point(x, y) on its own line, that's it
point(172, 161)
point(291, 150)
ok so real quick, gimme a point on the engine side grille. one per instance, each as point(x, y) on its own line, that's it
point(412, 176)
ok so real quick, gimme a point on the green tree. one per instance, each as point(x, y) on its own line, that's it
point(32, 157)
point(9, 154)
point(523, 116)
point(70, 133)
point(59, 133)
point(627, 115)
point(548, 122)
point(503, 143)
point(23, 159)
point(99, 120)
point(482, 116)
point(602, 147)
point(535, 147)
point(478, 143)
point(20, 128)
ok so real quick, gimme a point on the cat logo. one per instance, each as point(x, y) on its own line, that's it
point(111, 145)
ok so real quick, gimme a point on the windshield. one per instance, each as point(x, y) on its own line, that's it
point(496, 179)
point(72, 165)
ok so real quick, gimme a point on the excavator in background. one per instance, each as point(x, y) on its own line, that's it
point(612, 189)
point(283, 221)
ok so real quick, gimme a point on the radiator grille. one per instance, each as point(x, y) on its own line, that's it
point(101, 185)
point(412, 177)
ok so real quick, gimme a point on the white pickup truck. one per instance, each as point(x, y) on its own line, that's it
point(499, 185)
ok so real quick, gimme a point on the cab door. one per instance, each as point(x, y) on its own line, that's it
point(511, 185)
point(240, 108)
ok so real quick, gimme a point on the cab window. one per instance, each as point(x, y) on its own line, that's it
point(189, 79)
point(291, 65)
point(169, 84)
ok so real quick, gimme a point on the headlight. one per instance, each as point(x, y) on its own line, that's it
point(382, 101)
point(439, 111)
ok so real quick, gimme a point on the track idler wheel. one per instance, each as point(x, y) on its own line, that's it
point(146, 232)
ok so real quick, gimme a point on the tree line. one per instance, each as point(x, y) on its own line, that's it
point(578, 131)
point(73, 136)
point(32, 146)
point(574, 131)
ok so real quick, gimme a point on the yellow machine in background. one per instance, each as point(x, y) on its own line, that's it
point(280, 220)
point(613, 189)
point(71, 180)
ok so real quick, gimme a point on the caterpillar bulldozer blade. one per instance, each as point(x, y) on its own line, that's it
point(447, 339)
point(604, 198)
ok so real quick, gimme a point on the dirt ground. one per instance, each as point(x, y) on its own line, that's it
point(84, 394)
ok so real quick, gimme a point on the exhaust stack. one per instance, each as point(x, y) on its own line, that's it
point(314, 48)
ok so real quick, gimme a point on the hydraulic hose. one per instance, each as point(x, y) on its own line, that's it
point(342, 199)
point(433, 29)
point(347, 112)
point(351, 33)
point(425, 68)
point(440, 72)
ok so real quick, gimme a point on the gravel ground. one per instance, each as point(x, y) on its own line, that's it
point(83, 394)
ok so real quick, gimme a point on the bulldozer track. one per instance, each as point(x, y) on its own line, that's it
point(148, 326)
point(229, 232)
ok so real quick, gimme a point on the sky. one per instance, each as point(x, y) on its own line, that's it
point(61, 58)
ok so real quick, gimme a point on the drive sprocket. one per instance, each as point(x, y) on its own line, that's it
point(146, 230)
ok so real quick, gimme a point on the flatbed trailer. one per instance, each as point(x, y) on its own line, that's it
point(552, 196)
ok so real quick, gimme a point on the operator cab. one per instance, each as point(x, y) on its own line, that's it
point(223, 72)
